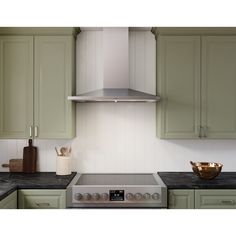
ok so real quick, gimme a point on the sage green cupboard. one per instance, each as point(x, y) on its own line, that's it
point(54, 115)
point(16, 86)
point(197, 81)
point(181, 199)
point(215, 199)
point(219, 86)
point(9, 202)
point(42, 199)
point(36, 77)
point(178, 68)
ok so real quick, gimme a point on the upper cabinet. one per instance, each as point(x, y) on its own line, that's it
point(54, 115)
point(218, 86)
point(36, 77)
point(196, 81)
point(16, 86)
point(178, 85)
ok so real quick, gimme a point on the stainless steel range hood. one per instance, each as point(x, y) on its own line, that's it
point(115, 72)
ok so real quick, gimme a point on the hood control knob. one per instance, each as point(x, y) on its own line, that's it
point(87, 196)
point(129, 196)
point(78, 196)
point(155, 196)
point(96, 196)
point(104, 196)
point(138, 196)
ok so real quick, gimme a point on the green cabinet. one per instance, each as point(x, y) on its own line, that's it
point(202, 199)
point(54, 115)
point(178, 84)
point(215, 199)
point(218, 86)
point(181, 199)
point(16, 86)
point(196, 80)
point(36, 77)
point(9, 202)
point(42, 199)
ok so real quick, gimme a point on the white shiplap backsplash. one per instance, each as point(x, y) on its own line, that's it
point(121, 137)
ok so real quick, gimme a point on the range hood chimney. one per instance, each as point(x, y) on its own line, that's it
point(116, 72)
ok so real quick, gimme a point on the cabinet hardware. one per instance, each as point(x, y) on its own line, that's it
point(35, 131)
point(43, 204)
point(228, 202)
point(30, 131)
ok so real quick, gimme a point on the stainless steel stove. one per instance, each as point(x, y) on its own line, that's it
point(117, 190)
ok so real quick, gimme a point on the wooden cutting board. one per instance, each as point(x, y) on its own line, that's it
point(15, 165)
point(29, 158)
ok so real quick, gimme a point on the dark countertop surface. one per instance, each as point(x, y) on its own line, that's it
point(9, 182)
point(188, 180)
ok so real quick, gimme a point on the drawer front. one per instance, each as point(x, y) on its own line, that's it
point(10, 202)
point(215, 199)
point(42, 199)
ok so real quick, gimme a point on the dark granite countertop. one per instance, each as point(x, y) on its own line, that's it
point(9, 182)
point(188, 180)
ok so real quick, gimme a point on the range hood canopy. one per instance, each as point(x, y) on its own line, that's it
point(116, 72)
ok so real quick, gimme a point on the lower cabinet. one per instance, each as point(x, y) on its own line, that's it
point(181, 199)
point(215, 199)
point(9, 202)
point(42, 199)
point(202, 199)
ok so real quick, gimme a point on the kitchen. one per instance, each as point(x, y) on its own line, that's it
point(102, 146)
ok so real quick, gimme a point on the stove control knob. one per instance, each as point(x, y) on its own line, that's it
point(138, 196)
point(87, 196)
point(104, 196)
point(146, 196)
point(96, 196)
point(129, 196)
point(78, 196)
point(155, 196)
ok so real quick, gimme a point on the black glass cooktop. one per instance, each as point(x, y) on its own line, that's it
point(116, 179)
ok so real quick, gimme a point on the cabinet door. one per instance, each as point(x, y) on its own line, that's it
point(42, 199)
point(10, 202)
point(178, 69)
point(218, 86)
point(16, 86)
point(181, 199)
point(54, 115)
point(215, 199)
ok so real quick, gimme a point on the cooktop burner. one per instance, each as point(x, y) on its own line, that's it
point(117, 190)
point(116, 179)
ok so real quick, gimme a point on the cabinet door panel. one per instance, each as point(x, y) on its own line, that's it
point(16, 86)
point(10, 202)
point(54, 58)
point(42, 199)
point(178, 71)
point(181, 199)
point(218, 86)
point(215, 199)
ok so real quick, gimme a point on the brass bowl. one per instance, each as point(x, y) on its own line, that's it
point(206, 170)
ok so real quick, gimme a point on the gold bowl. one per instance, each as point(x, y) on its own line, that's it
point(206, 170)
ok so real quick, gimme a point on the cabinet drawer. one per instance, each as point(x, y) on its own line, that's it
point(215, 199)
point(42, 199)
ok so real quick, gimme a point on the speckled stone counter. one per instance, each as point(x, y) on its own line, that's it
point(188, 180)
point(9, 182)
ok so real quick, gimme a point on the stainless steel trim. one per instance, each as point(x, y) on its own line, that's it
point(115, 95)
